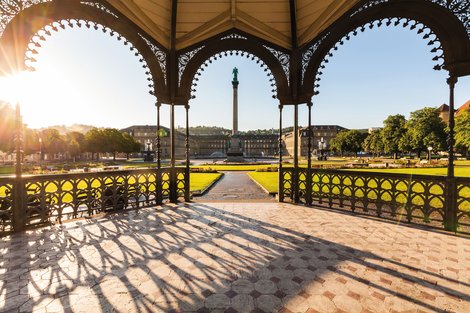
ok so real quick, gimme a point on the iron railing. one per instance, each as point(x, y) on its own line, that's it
point(38, 200)
point(432, 200)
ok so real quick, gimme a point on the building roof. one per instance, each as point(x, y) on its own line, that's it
point(151, 127)
point(202, 19)
point(465, 106)
point(443, 108)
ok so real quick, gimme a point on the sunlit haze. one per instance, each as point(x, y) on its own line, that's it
point(87, 77)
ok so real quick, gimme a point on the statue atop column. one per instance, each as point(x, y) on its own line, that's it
point(235, 75)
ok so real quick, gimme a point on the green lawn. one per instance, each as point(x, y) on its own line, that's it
point(200, 181)
point(269, 180)
point(244, 167)
point(461, 171)
point(7, 170)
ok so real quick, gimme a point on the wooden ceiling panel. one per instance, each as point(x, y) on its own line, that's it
point(198, 20)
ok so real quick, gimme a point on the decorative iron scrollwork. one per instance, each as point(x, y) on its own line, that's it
point(184, 59)
point(10, 8)
point(283, 58)
point(159, 54)
point(234, 36)
point(100, 6)
point(309, 53)
point(460, 8)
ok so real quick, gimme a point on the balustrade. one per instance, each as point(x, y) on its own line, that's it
point(39, 200)
point(419, 199)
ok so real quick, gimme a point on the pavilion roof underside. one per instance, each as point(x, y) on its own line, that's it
point(197, 20)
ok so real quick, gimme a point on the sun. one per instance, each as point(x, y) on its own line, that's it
point(41, 94)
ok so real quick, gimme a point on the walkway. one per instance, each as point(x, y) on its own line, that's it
point(236, 257)
point(235, 186)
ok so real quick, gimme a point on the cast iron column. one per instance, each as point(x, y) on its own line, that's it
point(18, 192)
point(159, 153)
point(187, 172)
point(280, 194)
point(173, 191)
point(295, 178)
point(451, 212)
point(308, 195)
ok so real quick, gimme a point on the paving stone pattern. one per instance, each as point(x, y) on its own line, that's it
point(234, 257)
point(235, 186)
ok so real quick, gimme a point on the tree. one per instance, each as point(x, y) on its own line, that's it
point(462, 131)
point(355, 140)
point(52, 141)
point(114, 141)
point(129, 145)
point(392, 133)
point(7, 127)
point(31, 142)
point(426, 129)
point(338, 143)
point(94, 142)
point(374, 143)
point(348, 141)
point(76, 144)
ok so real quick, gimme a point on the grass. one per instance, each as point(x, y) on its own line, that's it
point(246, 168)
point(269, 180)
point(7, 170)
point(460, 171)
point(200, 181)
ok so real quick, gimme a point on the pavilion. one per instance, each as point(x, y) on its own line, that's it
point(357, 251)
point(291, 39)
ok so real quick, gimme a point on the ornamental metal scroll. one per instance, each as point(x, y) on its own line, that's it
point(54, 198)
point(419, 198)
point(10, 8)
point(6, 204)
point(460, 8)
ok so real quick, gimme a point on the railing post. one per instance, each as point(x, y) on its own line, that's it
point(308, 195)
point(173, 194)
point(159, 151)
point(18, 186)
point(280, 194)
point(159, 187)
point(187, 191)
point(451, 190)
point(295, 175)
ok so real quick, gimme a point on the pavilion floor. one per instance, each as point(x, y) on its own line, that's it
point(234, 257)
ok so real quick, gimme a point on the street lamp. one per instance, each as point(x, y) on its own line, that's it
point(40, 151)
point(429, 153)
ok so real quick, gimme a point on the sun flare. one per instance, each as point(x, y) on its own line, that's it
point(39, 93)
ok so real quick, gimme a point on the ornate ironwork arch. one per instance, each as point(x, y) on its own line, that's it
point(33, 23)
point(447, 32)
point(274, 62)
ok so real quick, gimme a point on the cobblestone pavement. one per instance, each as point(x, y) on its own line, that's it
point(234, 257)
point(235, 186)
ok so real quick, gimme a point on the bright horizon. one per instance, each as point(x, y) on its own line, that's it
point(86, 77)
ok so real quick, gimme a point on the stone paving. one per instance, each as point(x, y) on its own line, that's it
point(235, 186)
point(234, 257)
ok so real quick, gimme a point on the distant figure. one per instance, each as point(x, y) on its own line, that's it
point(235, 74)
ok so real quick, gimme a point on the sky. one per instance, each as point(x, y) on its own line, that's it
point(87, 77)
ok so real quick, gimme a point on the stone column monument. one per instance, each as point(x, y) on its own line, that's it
point(235, 101)
point(235, 153)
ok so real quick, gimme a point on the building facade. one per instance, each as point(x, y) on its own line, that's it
point(146, 134)
point(252, 145)
point(321, 138)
